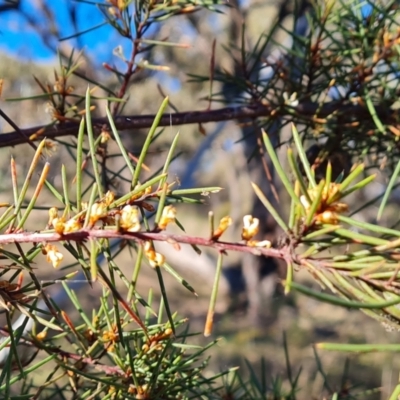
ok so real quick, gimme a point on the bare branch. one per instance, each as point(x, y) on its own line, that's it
point(347, 111)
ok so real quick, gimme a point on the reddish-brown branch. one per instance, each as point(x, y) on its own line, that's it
point(348, 113)
point(130, 70)
point(85, 234)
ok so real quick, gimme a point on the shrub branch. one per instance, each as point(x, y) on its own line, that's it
point(84, 234)
point(348, 112)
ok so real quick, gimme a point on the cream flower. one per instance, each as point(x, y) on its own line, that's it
point(53, 256)
point(250, 227)
point(129, 220)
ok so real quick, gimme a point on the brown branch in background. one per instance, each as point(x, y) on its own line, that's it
point(17, 130)
point(130, 71)
point(85, 234)
point(212, 72)
point(348, 113)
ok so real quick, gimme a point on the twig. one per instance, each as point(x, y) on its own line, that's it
point(348, 113)
point(17, 129)
point(86, 234)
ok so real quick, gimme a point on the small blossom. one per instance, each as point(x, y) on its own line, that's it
point(53, 256)
point(72, 225)
point(59, 225)
point(155, 259)
point(53, 214)
point(111, 337)
point(327, 217)
point(129, 220)
point(292, 100)
point(329, 192)
point(105, 137)
point(222, 227)
point(141, 193)
point(97, 212)
point(250, 227)
point(41, 336)
point(167, 217)
point(108, 198)
point(328, 209)
point(50, 147)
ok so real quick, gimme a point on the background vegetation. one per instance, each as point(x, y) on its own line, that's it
point(113, 169)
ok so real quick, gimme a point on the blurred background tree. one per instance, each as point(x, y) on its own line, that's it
point(229, 70)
